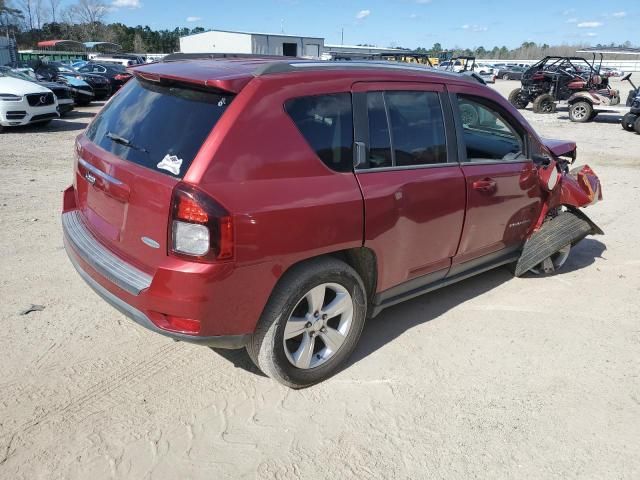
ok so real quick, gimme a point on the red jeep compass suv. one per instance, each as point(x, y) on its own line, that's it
point(274, 204)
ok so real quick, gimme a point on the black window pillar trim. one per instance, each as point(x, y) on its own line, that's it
point(451, 134)
point(360, 126)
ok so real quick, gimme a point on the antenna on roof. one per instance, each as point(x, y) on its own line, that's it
point(282, 25)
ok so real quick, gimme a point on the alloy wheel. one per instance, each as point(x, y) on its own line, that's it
point(318, 325)
point(553, 262)
point(579, 112)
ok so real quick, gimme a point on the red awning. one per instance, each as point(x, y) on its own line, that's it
point(62, 45)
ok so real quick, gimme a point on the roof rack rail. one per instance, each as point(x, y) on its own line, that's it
point(173, 57)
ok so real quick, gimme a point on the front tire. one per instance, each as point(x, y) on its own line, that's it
point(636, 125)
point(553, 263)
point(515, 99)
point(628, 121)
point(311, 324)
point(580, 112)
point(544, 103)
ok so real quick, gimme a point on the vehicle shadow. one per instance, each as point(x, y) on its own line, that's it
point(79, 114)
point(64, 125)
point(396, 320)
point(601, 118)
point(393, 322)
point(56, 125)
point(239, 359)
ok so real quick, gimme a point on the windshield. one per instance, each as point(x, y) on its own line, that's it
point(7, 72)
point(160, 127)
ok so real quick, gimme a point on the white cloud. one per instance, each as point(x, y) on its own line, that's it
point(474, 28)
point(569, 11)
point(126, 4)
point(591, 34)
point(413, 16)
point(589, 24)
point(572, 20)
point(423, 2)
point(362, 14)
point(193, 19)
point(619, 14)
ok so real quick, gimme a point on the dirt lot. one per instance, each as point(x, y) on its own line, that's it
point(495, 377)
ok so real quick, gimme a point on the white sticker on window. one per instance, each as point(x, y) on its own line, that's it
point(171, 163)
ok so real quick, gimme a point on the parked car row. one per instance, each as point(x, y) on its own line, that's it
point(23, 102)
point(67, 85)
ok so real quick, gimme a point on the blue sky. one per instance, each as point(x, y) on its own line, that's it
point(408, 23)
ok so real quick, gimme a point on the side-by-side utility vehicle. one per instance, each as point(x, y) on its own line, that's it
point(275, 205)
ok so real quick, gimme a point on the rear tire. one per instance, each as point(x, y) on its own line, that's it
point(291, 343)
point(580, 112)
point(636, 125)
point(544, 103)
point(628, 121)
point(505, 76)
point(515, 99)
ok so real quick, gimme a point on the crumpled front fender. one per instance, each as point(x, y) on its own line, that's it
point(580, 188)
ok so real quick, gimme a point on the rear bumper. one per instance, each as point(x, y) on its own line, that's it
point(225, 341)
point(135, 294)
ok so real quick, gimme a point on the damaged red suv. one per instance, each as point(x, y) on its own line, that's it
point(274, 205)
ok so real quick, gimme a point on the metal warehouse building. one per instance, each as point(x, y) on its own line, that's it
point(220, 41)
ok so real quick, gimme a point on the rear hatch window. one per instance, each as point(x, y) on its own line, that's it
point(158, 126)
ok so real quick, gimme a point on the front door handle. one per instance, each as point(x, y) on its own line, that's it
point(486, 185)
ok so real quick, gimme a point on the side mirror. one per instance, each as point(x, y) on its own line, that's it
point(541, 159)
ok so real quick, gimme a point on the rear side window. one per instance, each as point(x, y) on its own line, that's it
point(326, 123)
point(158, 126)
point(417, 128)
point(379, 139)
point(406, 128)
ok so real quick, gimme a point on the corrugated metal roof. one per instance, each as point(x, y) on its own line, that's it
point(256, 33)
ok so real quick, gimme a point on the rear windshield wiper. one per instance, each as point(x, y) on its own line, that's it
point(123, 141)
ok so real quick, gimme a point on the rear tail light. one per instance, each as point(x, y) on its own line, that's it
point(200, 228)
point(122, 76)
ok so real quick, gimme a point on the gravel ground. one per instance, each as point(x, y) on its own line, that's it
point(495, 377)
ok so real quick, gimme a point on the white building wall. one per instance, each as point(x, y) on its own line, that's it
point(216, 42)
point(273, 45)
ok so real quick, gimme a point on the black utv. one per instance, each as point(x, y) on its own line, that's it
point(631, 120)
point(553, 79)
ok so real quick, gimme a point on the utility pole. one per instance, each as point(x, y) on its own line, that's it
point(342, 37)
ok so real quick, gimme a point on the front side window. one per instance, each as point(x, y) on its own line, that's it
point(487, 135)
point(326, 123)
point(406, 128)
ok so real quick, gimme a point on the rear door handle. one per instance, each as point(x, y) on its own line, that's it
point(486, 185)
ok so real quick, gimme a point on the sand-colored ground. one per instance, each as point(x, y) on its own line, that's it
point(495, 377)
